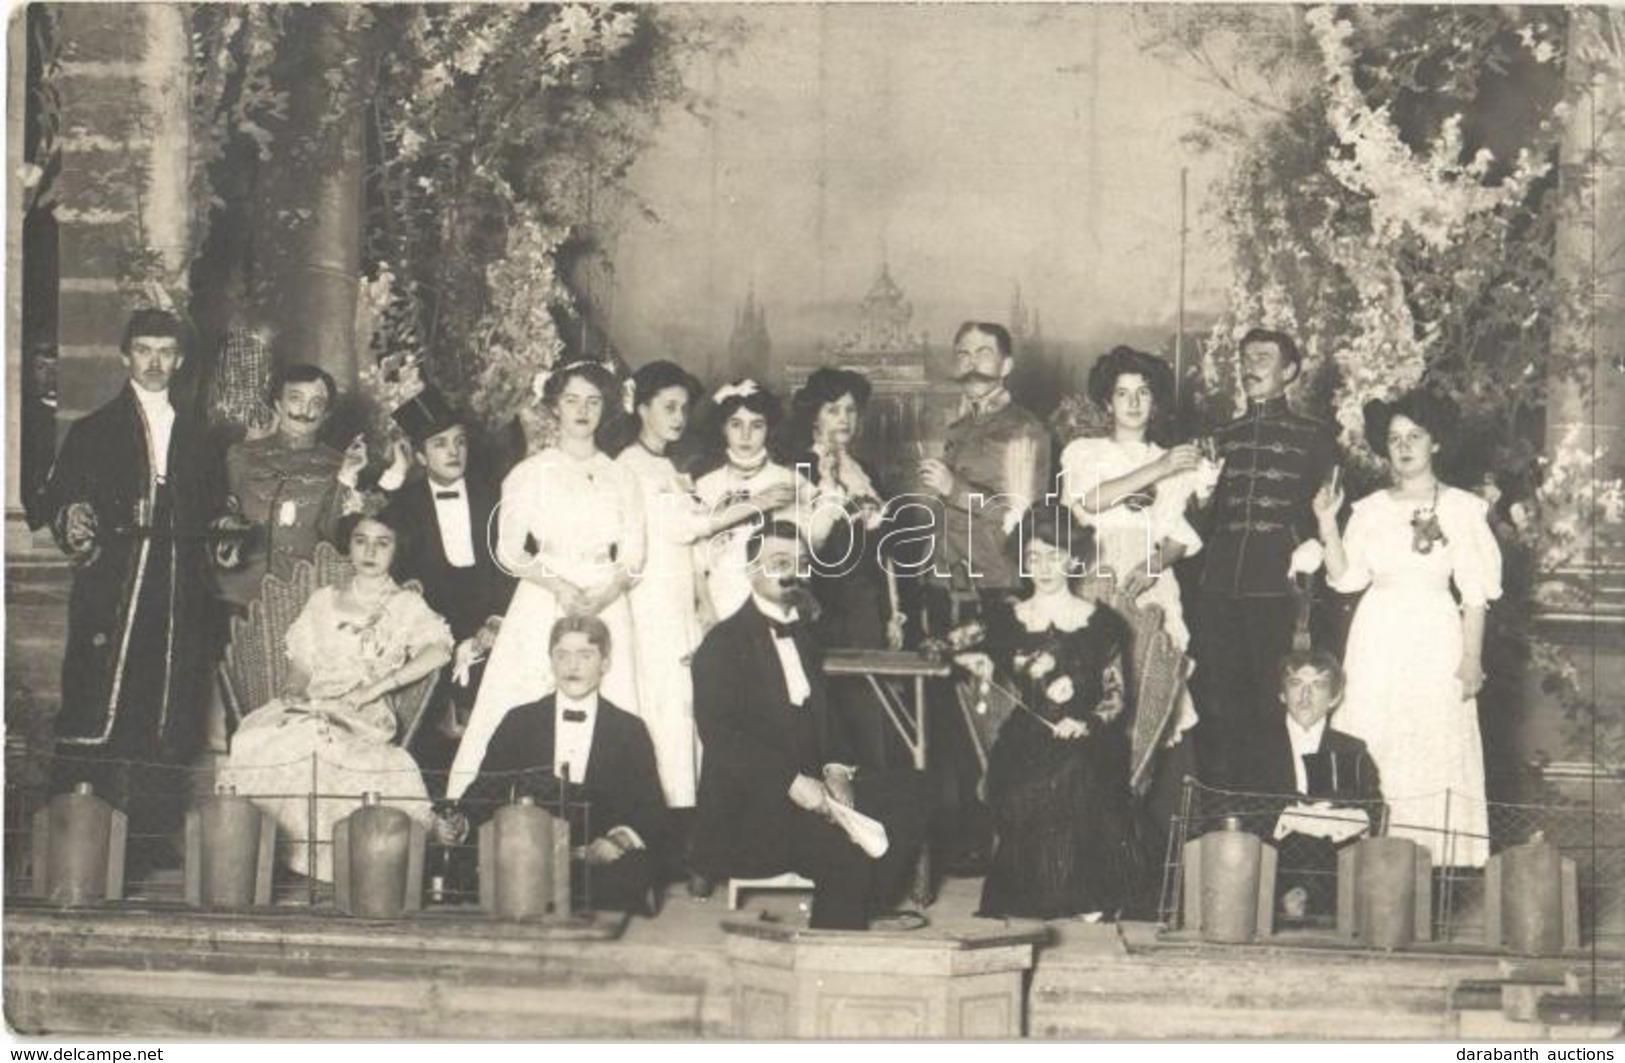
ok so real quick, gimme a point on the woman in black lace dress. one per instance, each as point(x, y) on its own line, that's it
point(1058, 775)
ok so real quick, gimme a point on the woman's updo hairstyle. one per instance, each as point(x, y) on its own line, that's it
point(650, 380)
point(1437, 414)
point(1052, 523)
point(1156, 373)
point(594, 373)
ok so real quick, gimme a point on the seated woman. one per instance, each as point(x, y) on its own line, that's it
point(331, 730)
point(1058, 775)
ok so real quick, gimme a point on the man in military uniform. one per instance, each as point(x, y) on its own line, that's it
point(129, 499)
point(1274, 461)
point(289, 487)
point(995, 464)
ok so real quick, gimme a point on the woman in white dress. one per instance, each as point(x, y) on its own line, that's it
point(667, 601)
point(570, 528)
point(746, 414)
point(1414, 657)
point(1134, 493)
point(350, 647)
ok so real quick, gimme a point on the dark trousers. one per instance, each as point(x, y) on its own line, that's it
point(962, 831)
point(1238, 646)
point(849, 886)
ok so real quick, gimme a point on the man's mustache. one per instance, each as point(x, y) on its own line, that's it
point(972, 375)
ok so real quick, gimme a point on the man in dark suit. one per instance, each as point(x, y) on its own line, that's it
point(776, 757)
point(1299, 757)
point(447, 516)
point(604, 752)
point(133, 489)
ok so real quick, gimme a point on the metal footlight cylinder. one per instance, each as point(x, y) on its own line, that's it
point(1532, 899)
point(230, 849)
point(1229, 884)
point(524, 862)
point(378, 861)
point(1385, 893)
point(79, 842)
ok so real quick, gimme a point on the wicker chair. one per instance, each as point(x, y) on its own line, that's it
point(1155, 669)
point(256, 661)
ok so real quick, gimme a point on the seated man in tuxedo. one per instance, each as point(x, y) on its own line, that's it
point(1325, 779)
point(447, 515)
point(776, 759)
point(604, 752)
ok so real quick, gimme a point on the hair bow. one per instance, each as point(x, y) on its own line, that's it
point(742, 389)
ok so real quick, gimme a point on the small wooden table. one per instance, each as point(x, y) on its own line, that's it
point(877, 665)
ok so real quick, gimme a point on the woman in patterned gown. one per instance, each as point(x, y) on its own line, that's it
point(1058, 775)
point(349, 647)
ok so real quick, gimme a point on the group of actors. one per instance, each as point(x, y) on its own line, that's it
point(644, 630)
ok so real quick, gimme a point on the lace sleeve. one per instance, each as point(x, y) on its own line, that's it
point(304, 638)
point(419, 627)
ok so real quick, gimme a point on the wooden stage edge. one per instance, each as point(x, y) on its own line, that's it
point(150, 971)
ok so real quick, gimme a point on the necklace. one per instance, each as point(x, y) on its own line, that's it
point(1425, 530)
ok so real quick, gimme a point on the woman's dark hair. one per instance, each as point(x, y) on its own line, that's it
point(759, 400)
point(346, 526)
point(650, 380)
point(823, 387)
point(1435, 413)
point(1052, 523)
point(1121, 360)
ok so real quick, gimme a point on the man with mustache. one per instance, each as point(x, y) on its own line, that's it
point(128, 499)
point(289, 487)
point(776, 756)
point(1274, 460)
point(995, 464)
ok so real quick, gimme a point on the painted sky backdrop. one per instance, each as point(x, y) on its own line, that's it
point(976, 147)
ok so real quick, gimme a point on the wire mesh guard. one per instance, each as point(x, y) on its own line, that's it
point(156, 798)
point(1306, 878)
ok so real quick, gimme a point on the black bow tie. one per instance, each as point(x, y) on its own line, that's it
point(575, 715)
point(784, 630)
point(448, 494)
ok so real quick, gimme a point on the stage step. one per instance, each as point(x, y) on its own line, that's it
point(1151, 989)
point(1553, 999)
point(177, 973)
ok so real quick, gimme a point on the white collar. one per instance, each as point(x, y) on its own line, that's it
point(1305, 738)
point(1064, 612)
point(774, 611)
point(150, 399)
point(455, 485)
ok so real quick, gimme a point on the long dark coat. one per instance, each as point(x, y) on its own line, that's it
point(138, 641)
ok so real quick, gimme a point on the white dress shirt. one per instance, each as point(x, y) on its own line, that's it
point(456, 529)
point(159, 416)
point(795, 676)
point(1303, 742)
point(572, 739)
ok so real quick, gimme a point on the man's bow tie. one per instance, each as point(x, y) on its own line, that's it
point(448, 494)
point(575, 715)
point(784, 630)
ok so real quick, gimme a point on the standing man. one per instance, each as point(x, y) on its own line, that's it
point(128, 500)
point(447, 515)
point(1274, 461)
point(290, 487)
point(995, 464)
point(776, 756)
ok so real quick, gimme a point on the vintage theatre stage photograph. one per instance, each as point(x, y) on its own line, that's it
point(814, 521)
